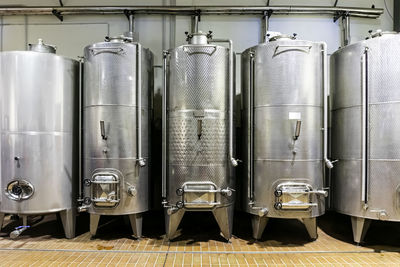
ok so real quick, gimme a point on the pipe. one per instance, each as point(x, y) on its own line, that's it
point(141, 160)
point(131, 23)
point(233, 161)
point(251, 127)
point(396, 16)
point(266, 25)
point(346, 29)
point(80, 129)
point(364, 147)
point(195, 24)
point(164, 129)
point(192, 10)
point(327, 162)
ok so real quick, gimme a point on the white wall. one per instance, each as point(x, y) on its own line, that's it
point(75, 32)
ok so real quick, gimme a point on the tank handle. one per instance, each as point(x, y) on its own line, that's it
point(140, 158)
point(114, 50)
point(279, 49)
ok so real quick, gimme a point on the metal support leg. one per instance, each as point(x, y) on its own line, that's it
point(94, 223)
point(224, 218)
point(136, 224)
point(172, 222)
point(311, 226)
point(68, 219)
point(24, 220)
point(360, 227)
point(2, 215)
point(258, 223)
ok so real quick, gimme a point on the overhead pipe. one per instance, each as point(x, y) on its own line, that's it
point(346, 29)
point(191, 10)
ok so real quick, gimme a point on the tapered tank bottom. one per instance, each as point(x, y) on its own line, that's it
point(259, 223)
point(68, 219)
point(223, 216)
point(135, 222)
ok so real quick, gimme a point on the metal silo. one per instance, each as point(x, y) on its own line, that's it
point(284, 125)
point(117, 87)
point(198, 131)
point(39, 135)
point(365, 103)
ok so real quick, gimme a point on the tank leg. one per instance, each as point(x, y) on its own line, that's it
point(224, 218)
point(2, 215)
point(136, 224)
point(258, 223)
point(360, 227)
point(68, 219)
point(94, 223)
point(25, 220)
point(172, 222)
point(311, 226)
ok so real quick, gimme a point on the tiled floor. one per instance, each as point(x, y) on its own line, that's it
point(284, 243)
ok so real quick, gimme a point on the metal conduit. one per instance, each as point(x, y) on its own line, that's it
point(192, 10)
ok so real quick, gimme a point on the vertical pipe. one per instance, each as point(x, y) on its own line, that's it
point(346, 29)
point(325, 82)
point(266, 26)
point(364, 144)
point(131, 23)
point(195, 24)
point(164, 129)
point(396, 15)
point(233, 161)
point(251, 127)
point(140, 158)
point(80, 129)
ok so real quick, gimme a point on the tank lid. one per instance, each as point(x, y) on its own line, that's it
point(42, 47)
point(379, 33)
point(282, 36)
point(198, 37)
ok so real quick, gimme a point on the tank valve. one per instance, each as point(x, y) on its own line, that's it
point(132, 191)
point(83, 208)
point(278, 193)
point(383, 216)
point(226, 192)
point(263, 212)
point(278, 205)
point(142, 162)
point(179, 191)
point(179, 204)
point(235, 162)
point(328, 164)
point(18, 231)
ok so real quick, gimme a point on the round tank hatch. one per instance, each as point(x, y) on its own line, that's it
point(42, 47)
point(379, 33)
point(19, 190)
point(283, 37)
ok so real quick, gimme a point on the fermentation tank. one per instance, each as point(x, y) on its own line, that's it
point(365, 80)
point(117, 88)
point(39, 134)
point(284, 131)
point(198, 173)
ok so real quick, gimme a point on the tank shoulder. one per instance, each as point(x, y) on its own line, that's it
point(32, 53)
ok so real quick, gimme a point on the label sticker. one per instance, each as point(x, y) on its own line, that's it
point(294, 116)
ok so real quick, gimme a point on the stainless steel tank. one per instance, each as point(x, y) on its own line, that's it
point(198, 132)
point(117, 88)
point(284, 83)
point(39, 134)
point(365, 79)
